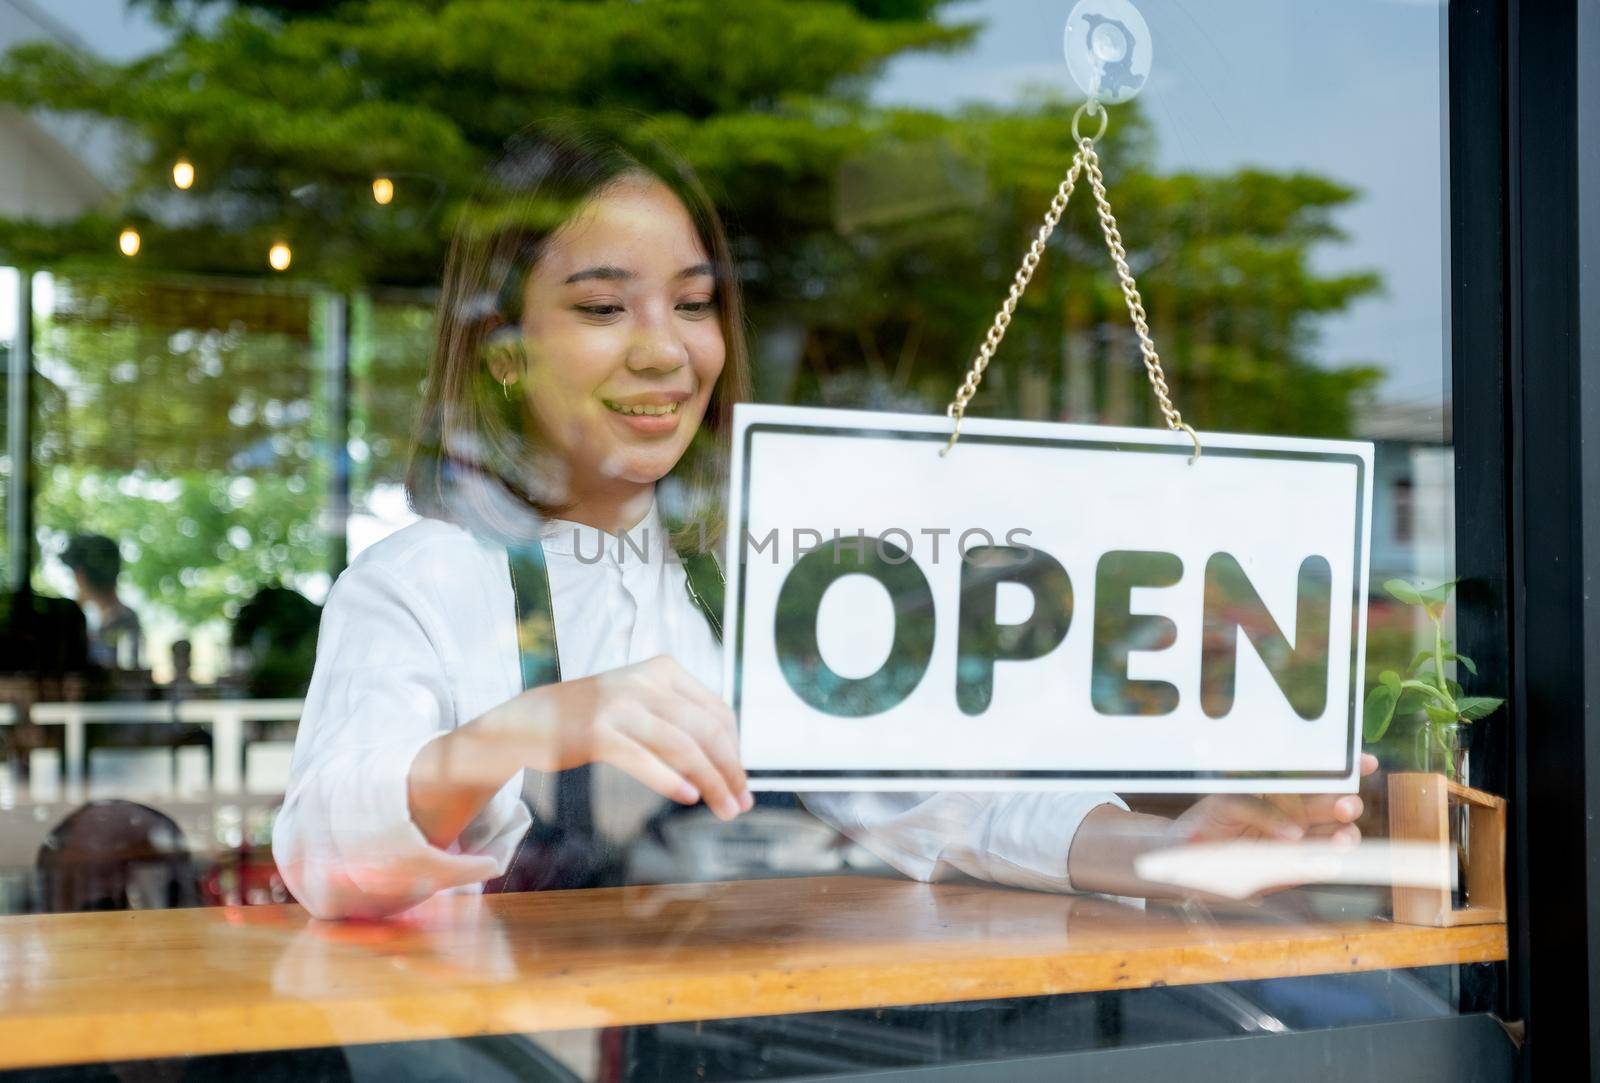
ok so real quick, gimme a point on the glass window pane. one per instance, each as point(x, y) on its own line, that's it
point(178, 419)
point(352, 391)
point(391, 338)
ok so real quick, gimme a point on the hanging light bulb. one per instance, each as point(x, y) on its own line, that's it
point(128, 240)
point(183, 173)
point(279, 256)
point(383, 191)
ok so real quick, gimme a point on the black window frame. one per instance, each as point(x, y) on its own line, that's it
point(1525, 302)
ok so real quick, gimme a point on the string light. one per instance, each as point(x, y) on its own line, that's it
point(383, 191)
point(128, 240)
point(279, 256)
point(183, 173)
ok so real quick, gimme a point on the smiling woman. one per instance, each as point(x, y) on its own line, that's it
point(596, 279)
point(621, 355)
point(591, 281)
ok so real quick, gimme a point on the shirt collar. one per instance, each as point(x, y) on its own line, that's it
point(567, 538)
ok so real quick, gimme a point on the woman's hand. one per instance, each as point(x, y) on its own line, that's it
point(1102, 854)
point(1223, 817)
point(652, 719)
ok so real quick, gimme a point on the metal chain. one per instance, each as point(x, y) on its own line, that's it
point(1130, 293)
point(1086, 160)
point(1002, 320)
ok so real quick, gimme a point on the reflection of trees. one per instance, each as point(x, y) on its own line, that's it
point(1233, 629)
point(874, 243)
point(389, 353)
point(894, 296)
point(179, 420)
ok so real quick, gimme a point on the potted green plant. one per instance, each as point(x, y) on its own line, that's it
point(1424, 696)
point(1432, 804)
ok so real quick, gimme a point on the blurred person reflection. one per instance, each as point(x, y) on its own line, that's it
point(44, 637)
point(115, 638)
point(182, 685)
point(44, 656)
point(274, 643)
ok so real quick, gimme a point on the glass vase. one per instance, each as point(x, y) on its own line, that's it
point(1442, 748)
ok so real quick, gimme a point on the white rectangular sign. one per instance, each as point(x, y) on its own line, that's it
point(1047, 607)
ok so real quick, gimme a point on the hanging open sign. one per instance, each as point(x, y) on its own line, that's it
point(1047, 607)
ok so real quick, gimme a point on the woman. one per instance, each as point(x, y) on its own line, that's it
point(577, 410)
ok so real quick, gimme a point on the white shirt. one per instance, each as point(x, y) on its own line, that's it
point(419, 636)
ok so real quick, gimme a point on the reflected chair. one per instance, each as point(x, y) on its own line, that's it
point(115, 855)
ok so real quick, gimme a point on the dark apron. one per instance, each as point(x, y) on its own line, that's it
point(565, 852)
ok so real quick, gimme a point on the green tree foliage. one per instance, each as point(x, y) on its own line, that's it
point(874, 242)
point(178, 418)
point(288, 119)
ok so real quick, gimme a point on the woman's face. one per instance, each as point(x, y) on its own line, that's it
point(623, 338)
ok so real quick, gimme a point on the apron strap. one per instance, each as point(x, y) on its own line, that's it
point(536, 625)
point(541, 664)
point(707, 588)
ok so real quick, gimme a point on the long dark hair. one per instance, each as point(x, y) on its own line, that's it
point(472, 461)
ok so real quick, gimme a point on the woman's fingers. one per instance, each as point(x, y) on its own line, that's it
point(1338, 834)
point(1238, 815)
point(717, 713)
point(704, 716)
point(655, 721)
point(626, 754)
point(723, 749)
point(716, 740)
point(1310, 809)
point(688, 754)
point(661, 754)
point(1336, 808)
point(689, 686)
point(1292, 805)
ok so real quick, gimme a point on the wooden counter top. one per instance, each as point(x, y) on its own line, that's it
point(120, 986)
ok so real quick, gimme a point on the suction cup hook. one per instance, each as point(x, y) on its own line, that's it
point(1108, 50)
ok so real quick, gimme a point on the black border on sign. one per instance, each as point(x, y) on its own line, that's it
point(1356, 609)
